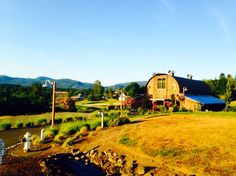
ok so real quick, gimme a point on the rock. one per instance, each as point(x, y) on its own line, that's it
point(82, 156)
point(42, 164)
point(75, 151)
point(106, 165)
point(140, 170)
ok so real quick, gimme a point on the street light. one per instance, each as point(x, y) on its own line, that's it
point(53, 83)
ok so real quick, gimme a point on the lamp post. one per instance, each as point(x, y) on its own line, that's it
point(53, 83)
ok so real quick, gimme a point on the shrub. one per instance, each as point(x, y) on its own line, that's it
point(58, 138)
point(69, 119)
point(84, 129)
point(232, 109)
point(42, 121)
point(118, 121)
point(141, 111)
point(87, 126)
point(6, 126)
point(68, 142)
point(51, 132)
point(161, 108)
point(127, 141)
point(95, 124)
point(56, 121)
point(36, 140)
point(113, 114)
point(19, 125)
point(29, 124)
point(175, 108)
point(69, 129)
point(164, 152)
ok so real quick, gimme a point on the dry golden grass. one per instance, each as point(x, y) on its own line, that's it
point(198, 143)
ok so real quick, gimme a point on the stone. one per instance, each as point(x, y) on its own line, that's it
point(140, 170)
point(77, 158)
point(148, 174)
point(106, 165)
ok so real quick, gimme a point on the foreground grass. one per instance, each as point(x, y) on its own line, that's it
point(193, 143)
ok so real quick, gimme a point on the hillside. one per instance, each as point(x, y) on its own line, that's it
point(61, 83)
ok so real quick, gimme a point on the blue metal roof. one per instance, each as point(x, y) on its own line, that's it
point(205, 99)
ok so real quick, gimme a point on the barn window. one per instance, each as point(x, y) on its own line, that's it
point(161, 83)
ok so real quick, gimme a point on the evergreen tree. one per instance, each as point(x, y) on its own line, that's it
point(229, 90)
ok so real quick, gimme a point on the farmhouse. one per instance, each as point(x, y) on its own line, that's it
point(168, 89)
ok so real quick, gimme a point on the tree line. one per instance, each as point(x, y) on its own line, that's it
point(224, 87)
point(15, 99)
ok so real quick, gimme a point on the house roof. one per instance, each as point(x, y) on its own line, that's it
point(205, 99)
point(193, 86)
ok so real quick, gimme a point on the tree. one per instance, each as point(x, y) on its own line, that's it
point(108, 93)
point(222, 84)
point(132, 89)
point(229, 90)
point(98, 90)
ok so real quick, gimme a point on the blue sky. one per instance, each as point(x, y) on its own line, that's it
point(117, 40)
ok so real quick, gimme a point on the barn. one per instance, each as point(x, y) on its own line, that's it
point(168, 89)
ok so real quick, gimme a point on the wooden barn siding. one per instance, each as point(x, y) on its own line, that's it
point(190, 104)
point(165, 93)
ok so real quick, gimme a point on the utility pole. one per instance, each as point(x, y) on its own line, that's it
point(53, 102)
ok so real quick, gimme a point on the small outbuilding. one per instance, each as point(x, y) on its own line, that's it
point(168, 89)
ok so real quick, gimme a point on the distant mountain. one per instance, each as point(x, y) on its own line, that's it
point(122, 85)
point(61, 83)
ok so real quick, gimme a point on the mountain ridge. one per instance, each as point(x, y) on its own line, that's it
point(61, 83)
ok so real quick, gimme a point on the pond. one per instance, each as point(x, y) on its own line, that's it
point(13, 136)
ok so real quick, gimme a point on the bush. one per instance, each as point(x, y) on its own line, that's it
point(232, 109)
point(127, 141)
point(68, 142)
point(69, 119)
point(29, 124)
point(175, 108)
point(42, 121)
point(36, 140)
point(19, 125)
point(141, 111)
point(118, 121)
point(113, 114)
point(95, 124)
point(87, 126)
point(161, 108)
point(83, 129)
point(51, 132)
point(56, 121)
point(6, 126)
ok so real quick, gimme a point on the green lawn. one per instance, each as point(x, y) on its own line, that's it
point(34, 118)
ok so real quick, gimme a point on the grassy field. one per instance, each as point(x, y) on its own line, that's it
point(189, 143)
point(34, 118)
